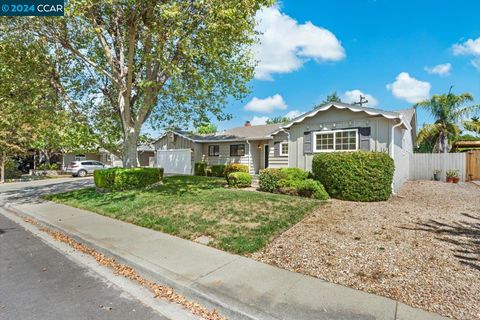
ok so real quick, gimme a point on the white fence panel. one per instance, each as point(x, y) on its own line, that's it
point(423, 165)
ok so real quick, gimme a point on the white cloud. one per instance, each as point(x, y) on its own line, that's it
point(293, 114)
point(440, 69)
point(266, 105)
point(354, 96)
point(285, 45)
point(470, 47)
point(409, 89)
point(258, 120)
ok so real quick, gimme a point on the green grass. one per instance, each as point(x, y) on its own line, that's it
point(188, 206)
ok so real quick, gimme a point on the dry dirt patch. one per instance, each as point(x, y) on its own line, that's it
point(422, 247)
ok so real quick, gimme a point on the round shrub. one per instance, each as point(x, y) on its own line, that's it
point(235, 167)
point(269, 179)
point(311, 189)
point(200, 169)
point(217, 170)
point(239, 180)
point(125, 179)
point(355, 176)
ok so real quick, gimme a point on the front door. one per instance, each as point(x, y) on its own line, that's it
point(266, 149)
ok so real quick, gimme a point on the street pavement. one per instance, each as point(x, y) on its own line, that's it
point(37, 282)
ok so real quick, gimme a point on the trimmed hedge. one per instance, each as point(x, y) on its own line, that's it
point(269, 179)
point(355, 176)
point(239, 180)
point(234, 167)
point(218, 170)
point(200, 169)
point(125, 179)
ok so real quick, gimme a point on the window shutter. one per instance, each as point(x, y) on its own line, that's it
point(276, 149)
point(307, 142)
point(364, 138)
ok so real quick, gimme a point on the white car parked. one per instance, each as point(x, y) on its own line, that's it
point(84, 167)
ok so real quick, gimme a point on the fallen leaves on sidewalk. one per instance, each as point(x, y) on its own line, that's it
point(160, 291)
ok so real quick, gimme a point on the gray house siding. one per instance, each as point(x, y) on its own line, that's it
point(335, 119)
point(224, 153)
point(275, 159)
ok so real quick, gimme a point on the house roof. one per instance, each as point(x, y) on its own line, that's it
point(266, 131)
point(353, 108)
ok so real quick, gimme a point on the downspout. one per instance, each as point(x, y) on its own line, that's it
point(249, 151)
point(288, 143)
point(392, 149)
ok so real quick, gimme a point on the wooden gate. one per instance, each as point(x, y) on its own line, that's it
point(473, 165)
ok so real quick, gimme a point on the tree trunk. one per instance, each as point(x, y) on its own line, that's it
point(130, 157)
point(2, 168)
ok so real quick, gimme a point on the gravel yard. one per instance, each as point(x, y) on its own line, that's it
point(422, 247)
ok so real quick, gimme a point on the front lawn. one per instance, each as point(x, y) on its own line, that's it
point(190, 207)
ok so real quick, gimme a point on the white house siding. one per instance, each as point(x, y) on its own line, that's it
point(337, 119)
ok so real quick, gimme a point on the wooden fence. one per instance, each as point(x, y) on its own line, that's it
point(424, 164)
point(473, 165)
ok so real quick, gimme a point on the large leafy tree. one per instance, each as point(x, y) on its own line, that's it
point(279, 119)
point(332, 97)
point(121, 63)
point(448, 110)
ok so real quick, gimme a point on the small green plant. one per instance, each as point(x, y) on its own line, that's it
point(235, 167)
point(239, 180)
point(453, 173)
point(310, 188)
point(47, 166)
point(200, 169)
point(217, 170)
point(126, 179)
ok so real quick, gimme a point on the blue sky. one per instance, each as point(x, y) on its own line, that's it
point(386, 49)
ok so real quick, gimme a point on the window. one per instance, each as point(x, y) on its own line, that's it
point(214, 150)
point(284, 149)
point(237, 150)
point(340, 140)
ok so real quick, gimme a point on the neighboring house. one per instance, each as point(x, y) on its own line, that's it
point(146, 156)
point(332, 127)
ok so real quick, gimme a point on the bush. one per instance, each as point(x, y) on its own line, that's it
point(239, 180)
point(104, 178)
point(11, 170)
point(311, 189)
point(355, 176)
point(125, 179)
point(217, 170)
point(234, 167)
point(200, 169)
point(269, 179)
point(46, 166)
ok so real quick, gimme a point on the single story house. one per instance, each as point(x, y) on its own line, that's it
point(146, 157)
point(331, 127)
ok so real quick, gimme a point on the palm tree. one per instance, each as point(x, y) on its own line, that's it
point(448, 110)
point(473, 125)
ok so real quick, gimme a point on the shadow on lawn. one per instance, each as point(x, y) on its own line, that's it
point(464, 235)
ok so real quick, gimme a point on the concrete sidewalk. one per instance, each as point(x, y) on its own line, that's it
point(239, 287)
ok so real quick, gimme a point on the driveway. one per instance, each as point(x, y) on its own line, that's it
point(29, 192)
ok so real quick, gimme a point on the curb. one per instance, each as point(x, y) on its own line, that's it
point(197, 293)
